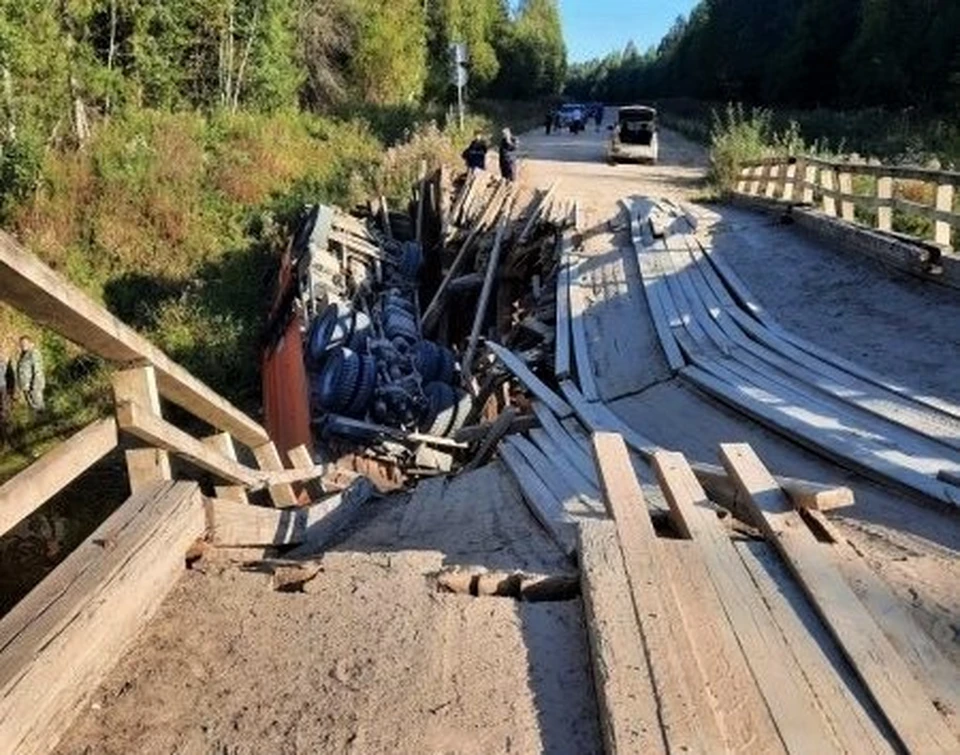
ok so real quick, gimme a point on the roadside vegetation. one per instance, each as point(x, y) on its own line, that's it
point(155, 152)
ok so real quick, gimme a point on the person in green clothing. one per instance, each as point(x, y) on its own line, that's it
point(30, 377)
point(6, 399)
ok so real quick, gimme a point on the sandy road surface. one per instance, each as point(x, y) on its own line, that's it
point(894, 324)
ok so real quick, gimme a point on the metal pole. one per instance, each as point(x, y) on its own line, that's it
point(460, 104)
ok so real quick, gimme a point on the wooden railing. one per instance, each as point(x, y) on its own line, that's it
point(841, 188)
point(145, 375)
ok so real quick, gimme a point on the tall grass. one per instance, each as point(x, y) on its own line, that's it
point(738, 136)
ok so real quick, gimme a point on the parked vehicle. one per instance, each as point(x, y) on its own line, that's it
point(634, 136)
point(572, 116)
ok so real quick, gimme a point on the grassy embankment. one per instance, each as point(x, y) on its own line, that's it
point(737, 135)
point(173, 221)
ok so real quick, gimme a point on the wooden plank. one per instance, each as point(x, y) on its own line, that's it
point(572, 452)
point(943, 204)
point(268, 459)
point(741, 711)
point(44, 296)
point(578, 328)
point(235, 525)
point(686, 710)
point(534, 384)
point(493, 265)
point(781, 680)
point(865, 457)
point(561, 365)
point(135, 420)
point(845, 180)
point(491, 438)
point(816, 653)
point(52, 472)
point(625, 693)
point(146, 467)
point(598, 418)
point(829, 202)
point(904, 702)
point(222, 443)
point(939, 676)
point(804, 494)
point(885, 212)
point(558, 485)
point(59, 642)
point(551, 450)
point(544, 506)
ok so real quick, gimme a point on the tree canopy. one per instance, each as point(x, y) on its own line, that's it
point(838, 53)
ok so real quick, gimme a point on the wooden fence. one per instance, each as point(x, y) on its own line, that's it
point(842, 187)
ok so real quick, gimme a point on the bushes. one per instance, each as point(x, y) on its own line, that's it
point(738, 137)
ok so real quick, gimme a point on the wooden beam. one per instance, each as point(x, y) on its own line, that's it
point(53, 471)
point(222, 443)
point(625, 693)
point(685, 708)
point(782, 682)
point(534, 384)
point(58, 643)
point(268, 459)
point(44, 296)
point(234, 525)
point(146, 467)
point(904, 702)
point(561, 365)
point(804, 494)
point(578, 330)
point(137, 421)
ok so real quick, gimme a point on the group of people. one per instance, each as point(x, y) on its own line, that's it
point(21, 376)
point(475, 155)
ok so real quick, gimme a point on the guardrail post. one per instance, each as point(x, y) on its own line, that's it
point(885, 208)
point(829, 198)
point(774, 178)
point(145, 466)
point(742, 183)
point(941, 228)
point(788, 187)
point(809, 182)
point(755, 183)
point(846, 189)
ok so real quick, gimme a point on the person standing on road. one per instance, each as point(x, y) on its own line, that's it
point(30, 378)
point(598, 116)
point(475, 155)
point(548, 122)
point(508, 155)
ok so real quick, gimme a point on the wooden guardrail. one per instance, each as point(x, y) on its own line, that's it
point(809, 180)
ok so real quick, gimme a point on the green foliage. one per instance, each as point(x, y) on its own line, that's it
point(533, 57)
point(738, 137)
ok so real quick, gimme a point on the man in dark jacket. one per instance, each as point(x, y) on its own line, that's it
point(508, 155)
point(6, 399)
point(475, 156)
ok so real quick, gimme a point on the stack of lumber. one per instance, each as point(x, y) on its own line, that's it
point(720, 338)
point(706, 642)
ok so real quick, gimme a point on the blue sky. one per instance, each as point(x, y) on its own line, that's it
point(595, 27)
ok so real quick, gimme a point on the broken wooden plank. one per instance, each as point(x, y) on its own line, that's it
point(573, 452)
point(685, 708)
point(561, 364)
point(494, 433)
point(52, 472)
point(59, 642)
point(578, 329)
point(542, 503)
point(804, 494)
point(534, 384)
point(939, 676)
point(783, 683)
point(493, 265)
point(626, 696)
point(904, 702)
point(222, 443)
point(235, 525)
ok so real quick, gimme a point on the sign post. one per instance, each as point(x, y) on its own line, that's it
point(458, 74)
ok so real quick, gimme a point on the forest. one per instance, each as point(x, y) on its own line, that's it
point(799, 53)
point(155, 150)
